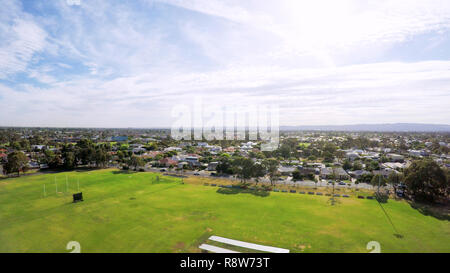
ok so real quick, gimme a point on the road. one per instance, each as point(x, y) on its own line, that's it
point(265, 180)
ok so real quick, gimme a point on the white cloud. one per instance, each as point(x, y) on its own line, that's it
point(323, 28)
point(384, 92)
point(21, 40)
point(306, 56)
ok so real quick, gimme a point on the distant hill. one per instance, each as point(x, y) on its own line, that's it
point(394, 127)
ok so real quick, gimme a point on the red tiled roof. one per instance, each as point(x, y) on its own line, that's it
point(167, 161)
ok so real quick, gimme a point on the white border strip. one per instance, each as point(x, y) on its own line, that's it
point(248, 245)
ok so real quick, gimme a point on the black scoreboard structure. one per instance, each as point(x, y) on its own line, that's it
point(77, 197)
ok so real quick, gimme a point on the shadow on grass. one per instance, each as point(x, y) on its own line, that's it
point(256, 192)
point(86, 169)
point(437, 211)
point(123, 172)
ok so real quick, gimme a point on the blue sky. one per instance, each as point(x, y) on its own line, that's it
point(129, 63)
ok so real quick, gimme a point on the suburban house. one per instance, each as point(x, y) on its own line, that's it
point(215, 149)
point(308, 170)
point(358, 173)
point(384, 172)
point(393, 165)
point(119, 138)
point(247, 146)
point(352, 156)
point(229, 150)
point(33, 165)
point(418, 153)
point(315, 165)
point(286, 170)
point(151, 154)
point(167, 162)
point(212, 166)
point(37, 147)
point(327, 173)
point(414, 153)
point(395, 157)
point(169, 149)
point(192, 160)
point(371, 155)
point(138, 150)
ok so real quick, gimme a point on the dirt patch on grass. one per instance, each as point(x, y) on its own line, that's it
point(303, 247)
point(179, 247)
point(179, 218)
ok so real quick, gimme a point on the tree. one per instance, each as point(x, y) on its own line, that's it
point(224, 165)
point(328, 157)
point(333, 176)
point(101, 157)
point(243, 167)
point(135, 162)
point(357, 166)
point(347, 165)
point(17, 162)
point(365, 178)
point(340, 154)
point(86, 151)
point(16, 145)
point(394, 179)
point(258, 171)
point(55, 161)
point(373, 165)
point(271, 167)
point(378, 180)
point(296, 175)
point(329, 148)
point(426, 181)
point(285, 151)
point(69, 160)
point(152, 146)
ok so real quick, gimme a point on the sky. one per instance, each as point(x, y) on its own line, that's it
point(79, 63)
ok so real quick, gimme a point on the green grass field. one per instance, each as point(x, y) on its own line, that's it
point(131, 212)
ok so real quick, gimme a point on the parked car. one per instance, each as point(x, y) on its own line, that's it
point(342, 183)
point(196, 174)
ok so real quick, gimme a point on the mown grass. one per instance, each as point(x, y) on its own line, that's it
point(133, 212)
